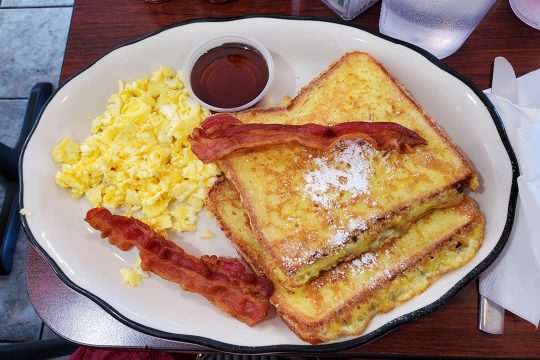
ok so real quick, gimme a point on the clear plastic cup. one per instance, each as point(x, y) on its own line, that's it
point(438, 26)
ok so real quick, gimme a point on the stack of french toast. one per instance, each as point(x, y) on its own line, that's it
point(348, 232)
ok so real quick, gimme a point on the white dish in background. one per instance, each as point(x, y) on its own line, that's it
point(527, 11)
point(301, 50)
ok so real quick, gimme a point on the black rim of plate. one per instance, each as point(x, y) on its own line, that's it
point(314, 349)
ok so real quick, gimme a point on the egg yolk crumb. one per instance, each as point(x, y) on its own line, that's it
point(138, 158)
point(130, 277)
point(134, 275)
point(208, 234)
point(25, 212)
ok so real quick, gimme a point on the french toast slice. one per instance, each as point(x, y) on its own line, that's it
point(311, 209)
point(342, 301)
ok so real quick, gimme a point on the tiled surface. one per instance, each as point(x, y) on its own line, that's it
point(11, 118)
point(22, 3)
point(33, 43)
point(18, 321)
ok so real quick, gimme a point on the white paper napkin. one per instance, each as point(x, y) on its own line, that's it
point(513, 280)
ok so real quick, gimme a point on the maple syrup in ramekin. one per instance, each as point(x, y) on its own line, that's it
point(229, 75)
point(228, 72)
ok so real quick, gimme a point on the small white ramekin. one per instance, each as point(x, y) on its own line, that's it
point(216, 41)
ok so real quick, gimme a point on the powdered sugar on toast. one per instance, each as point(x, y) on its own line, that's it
point(348, 171)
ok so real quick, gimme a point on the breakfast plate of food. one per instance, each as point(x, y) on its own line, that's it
point(306, 188)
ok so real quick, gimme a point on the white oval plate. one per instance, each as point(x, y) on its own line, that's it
point(301, 48)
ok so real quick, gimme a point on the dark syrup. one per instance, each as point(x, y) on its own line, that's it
point(229, 75)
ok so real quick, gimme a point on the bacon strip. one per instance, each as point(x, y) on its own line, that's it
point(221, 134)
point(223, 281)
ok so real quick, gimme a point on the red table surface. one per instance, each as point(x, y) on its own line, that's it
point(100, 25)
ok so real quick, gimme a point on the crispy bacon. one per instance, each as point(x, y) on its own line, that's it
point(223, 281)
point(222, 134)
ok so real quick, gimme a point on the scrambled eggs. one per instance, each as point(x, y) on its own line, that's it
point(138, 157)
point(25, 212)
point(134, 275)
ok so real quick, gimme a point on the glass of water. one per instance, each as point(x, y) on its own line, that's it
point(438, 26)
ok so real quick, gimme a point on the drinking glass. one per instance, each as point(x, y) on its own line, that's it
point(527, 11)
point(438, 26)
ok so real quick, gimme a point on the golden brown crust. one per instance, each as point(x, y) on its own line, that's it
point(464, 174)
point(253, 220)
point(472, 175)
point(302, 94)
point(311, 332)
point(311, 329)
point(311, 86)
point(304, 326)
point(217, 194)
point(248, 207)
point(288, 105)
